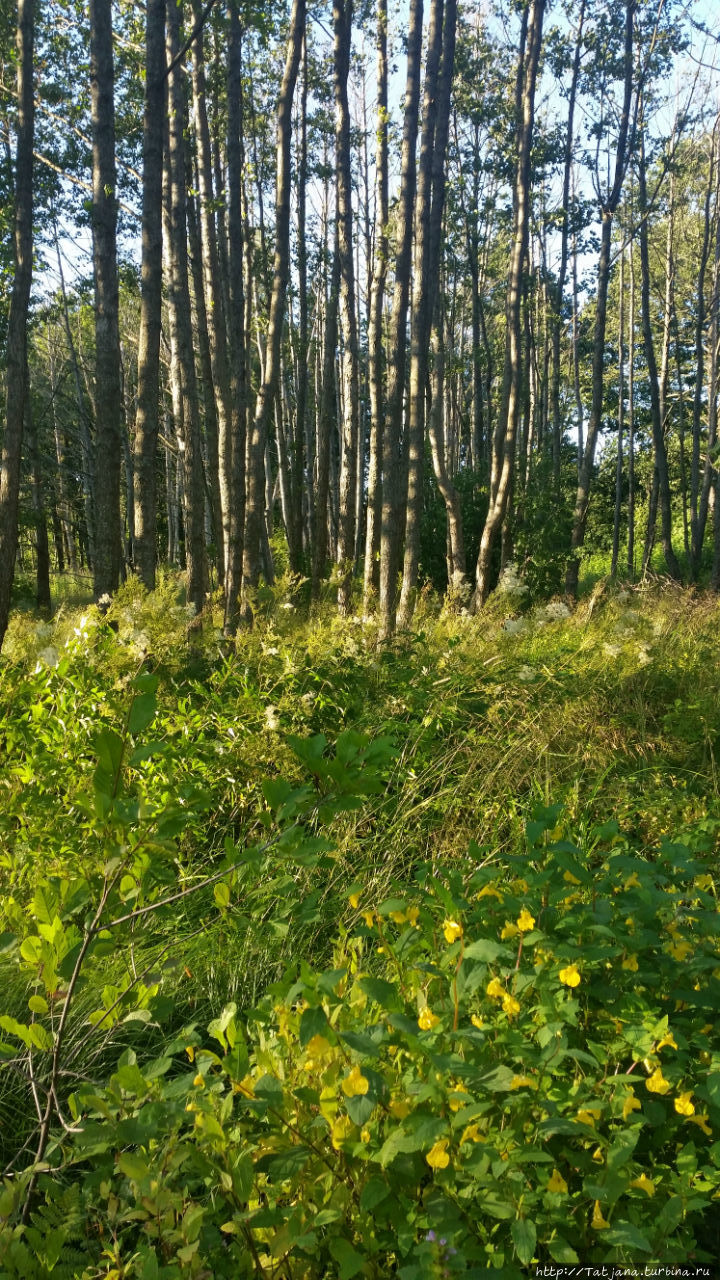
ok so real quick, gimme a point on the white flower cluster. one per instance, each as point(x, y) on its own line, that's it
point(516, 626)
point(511, 583)
point(47, 657)
point(556, 611)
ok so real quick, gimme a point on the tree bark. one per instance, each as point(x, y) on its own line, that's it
point(16, 349)
point(106, 570)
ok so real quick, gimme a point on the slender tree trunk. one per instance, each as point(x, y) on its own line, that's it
point(661, 464)
point(349, 360)
point(148, 388)
point(396, 358)
point(238, 326)
point(620, 419)
point(503, 459)
point(450, 496)
point(42, 548)
point(106, 572)
point(607, 214)
point(699, 524)
point(712, 189)
point(428, 232)
point(375, 336)
point(16, 380)
point(179, 297)
point(255, 511)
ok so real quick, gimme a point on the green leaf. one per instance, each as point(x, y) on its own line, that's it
point(486, 950)
point(524, 1238)
point(37, 1004)
point(561, 1251)
point(626, 1233)
point(313, 1023)
point(348, 1259)
point(142, 712)
point(133, 1166)
point(221, 893)
point(373, 1193)
point(385, 994)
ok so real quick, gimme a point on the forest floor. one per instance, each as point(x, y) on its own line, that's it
point(415, 820)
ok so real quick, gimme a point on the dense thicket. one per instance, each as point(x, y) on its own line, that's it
point(284, 315)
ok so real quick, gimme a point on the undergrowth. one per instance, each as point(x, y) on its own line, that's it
point(413, 804)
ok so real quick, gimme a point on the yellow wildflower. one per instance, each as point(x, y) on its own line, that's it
point(412, 914)
point(703, 882)
point(510, 1005)
point(668, 1039)
point(523, 1082)
point(680, 950)
point(569, 878)
point(643, 1183)
point(400, 1108)
point(341, 1130)
point(437, 1157)
point(557, 1183)
point(458, 1100)
point(598, 1156)
point(570, 976)
point(521, 885)
point(452, 931)
point(525, 922)
point(683, 1105)
point(630, 962)
point(355, 1083)
point(319, 1047)
point(509, 930)
point(472, 1134)
point(630, 1104)
point(656, 1083)
point(369, 918)
point(354, 900)
point(190, 1052)
point(489, 891)
point(199, 1081)
point(365, 1134)
point(632, 882)
point(427, 1019)
point(477, 1021)
point(495, 988)
point(598, 1222)
point(588, 1115)
point(702, 1122)
point(398, 916)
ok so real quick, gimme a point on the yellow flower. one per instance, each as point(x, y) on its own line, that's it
point(412, 914)
point(355, 1083)
point(702, 1122)
point(365, 1134)
point(400, 1108)
point(630, 962)
point(632, 882)
point(190, 1052)
point(570, 976)
point(598, 1156)
point(668, 1039)
point(588, 1115)
point(369, 918)
point(683, 1105)
point(680, 950)
point(471, 1134)
point(495, 988)
point(509, 931)
point(523, 1082)
point(477, 1021)
point(643, 1183)
point(630, 1104)
point(458, 1100)
point(398, 916)
point(341, 1130)
point(319, 1047)
point(521, 885)
point(437, 1157)
point(354, 900)
point(569, 878)
point(656, 1083)
point(510, 1005)
point(598, 1222)
point(427, 1019)
point(490, 892)
point(452, 931)
point(199, 1081)
point(703, 882)
point(525, 922)
point(557, 1183)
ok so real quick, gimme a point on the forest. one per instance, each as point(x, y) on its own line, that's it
point(359, 603)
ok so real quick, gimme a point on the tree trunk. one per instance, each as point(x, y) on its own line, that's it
point(16, 379)
point(396, 357)
point(377, 298)
point(428, 238)
point(106, 570)
point(148, 385)
point(255, 513)
point(179, 298)
point(620, 417)
point(503, 457)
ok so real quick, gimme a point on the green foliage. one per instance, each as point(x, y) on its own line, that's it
point(315, 979)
